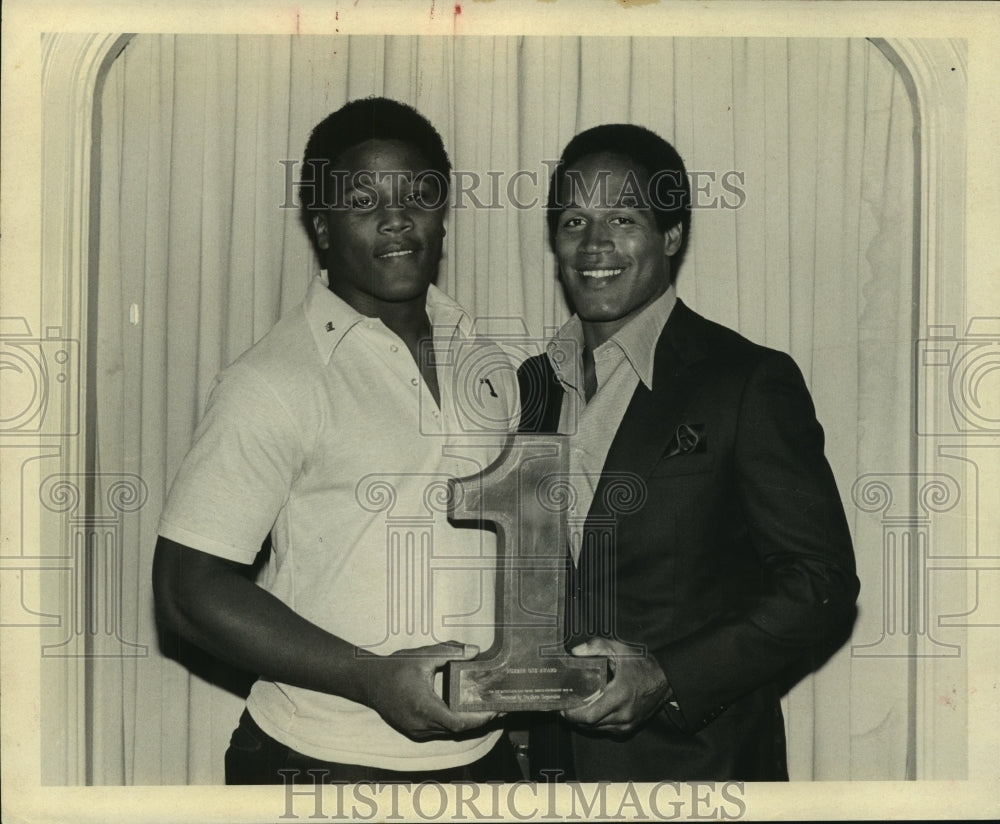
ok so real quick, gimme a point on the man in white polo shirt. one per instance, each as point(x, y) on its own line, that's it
point(336, 434)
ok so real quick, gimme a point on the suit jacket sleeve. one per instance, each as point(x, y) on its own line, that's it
point(796, 526)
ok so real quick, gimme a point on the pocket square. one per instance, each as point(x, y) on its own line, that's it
point(688, 438)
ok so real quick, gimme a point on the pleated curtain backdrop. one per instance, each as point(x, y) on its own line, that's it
point(199, 256)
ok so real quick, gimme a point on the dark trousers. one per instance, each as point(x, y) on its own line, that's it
point(254, 757)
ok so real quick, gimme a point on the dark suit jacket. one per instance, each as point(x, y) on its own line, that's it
point(736, 572)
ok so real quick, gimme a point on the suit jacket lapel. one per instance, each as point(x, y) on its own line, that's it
point(541, 396)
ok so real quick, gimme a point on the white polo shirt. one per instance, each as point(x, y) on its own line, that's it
point(324, 435)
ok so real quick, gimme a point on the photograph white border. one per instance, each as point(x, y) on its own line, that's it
point(55, 245)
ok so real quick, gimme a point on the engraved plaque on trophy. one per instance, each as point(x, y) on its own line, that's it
point(524, 495)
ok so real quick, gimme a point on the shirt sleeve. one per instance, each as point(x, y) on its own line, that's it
point(234, 481)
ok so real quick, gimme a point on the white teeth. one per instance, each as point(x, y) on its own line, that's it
point(400, 253)
point(600, 273)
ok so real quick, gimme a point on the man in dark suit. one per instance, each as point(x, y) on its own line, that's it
point(729, 571)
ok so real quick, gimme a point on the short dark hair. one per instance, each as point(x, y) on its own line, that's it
point(670, 199)
point(369, 118)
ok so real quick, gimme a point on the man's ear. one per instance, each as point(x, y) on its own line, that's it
point(672, 240)
point(322, 230)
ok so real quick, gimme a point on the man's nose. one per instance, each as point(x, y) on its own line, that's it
point(596, 238)
point(393, 217)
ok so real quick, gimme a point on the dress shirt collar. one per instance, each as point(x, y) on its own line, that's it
point(330, 318)
point(637, 341)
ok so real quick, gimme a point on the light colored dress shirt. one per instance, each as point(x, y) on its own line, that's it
point(620, 363)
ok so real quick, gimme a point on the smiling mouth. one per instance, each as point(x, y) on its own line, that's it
point(396, 254)
point(599, 274)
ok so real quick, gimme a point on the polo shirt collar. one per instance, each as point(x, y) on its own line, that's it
point(330, 318)
point(447, 315)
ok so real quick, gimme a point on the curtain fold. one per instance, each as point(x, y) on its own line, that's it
point(802, 156)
